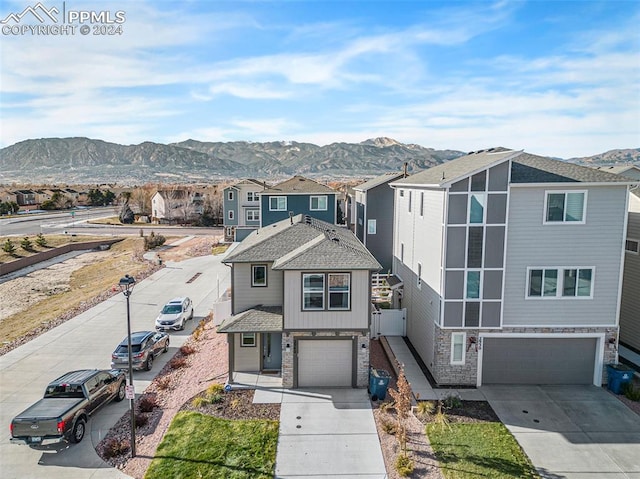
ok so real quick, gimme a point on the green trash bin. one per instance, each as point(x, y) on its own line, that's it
point(618, 374)
point(378, 383)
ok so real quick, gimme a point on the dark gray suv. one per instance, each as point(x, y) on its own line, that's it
point(145, 346)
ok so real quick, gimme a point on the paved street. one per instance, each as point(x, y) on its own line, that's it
point(87, 341)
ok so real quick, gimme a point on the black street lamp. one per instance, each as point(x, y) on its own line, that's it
point(126, 286)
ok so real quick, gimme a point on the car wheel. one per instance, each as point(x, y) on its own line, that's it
point(191, 315)
point(149, 364)
point(78, 431)
point(122, 390)
point(166, 346)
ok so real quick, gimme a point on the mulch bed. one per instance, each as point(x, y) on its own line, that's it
point(236, 404)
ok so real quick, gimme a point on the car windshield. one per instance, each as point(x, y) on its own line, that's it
point(172, 309)
point(124, 349)
point(64, 391)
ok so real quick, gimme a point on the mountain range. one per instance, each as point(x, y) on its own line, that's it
point(85, 160)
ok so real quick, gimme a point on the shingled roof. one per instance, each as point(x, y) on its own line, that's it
point(525, 168)
point(298, 185)
point(304, 243)
point(261, 319)
point(379, 180)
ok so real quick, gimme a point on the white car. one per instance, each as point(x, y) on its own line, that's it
point(175, 314)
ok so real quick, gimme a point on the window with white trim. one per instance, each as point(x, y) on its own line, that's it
point(253, 215)
point(565, 206)
point(247, 340)
point(339, 290)
point(473, 285)
point(422, 203)
point(230, 195)
point(318, 203)
point(312, 291)
point(252, 196)
point(632, 246)
point(410, 195)
point(371, 227)
point(258, 275)
point(277, 203)
point(402, 252)
point(477, 202)
point(560, 283)
point(457, 348)
point(230, 214)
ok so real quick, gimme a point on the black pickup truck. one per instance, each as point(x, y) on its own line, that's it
point(68, 402)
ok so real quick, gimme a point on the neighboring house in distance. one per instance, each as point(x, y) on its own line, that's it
point(26, 197)
point(295, 196)
point(374, 217)
point(242, 208)
point(630, 301)
point(8, 196)
point(512, 266)
point(175, 206)
point(301, 303)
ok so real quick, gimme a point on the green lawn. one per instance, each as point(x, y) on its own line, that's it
point(199, 446)
point(477, 450)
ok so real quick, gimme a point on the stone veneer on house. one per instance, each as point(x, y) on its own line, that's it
point(445, 373)
point(362, 362)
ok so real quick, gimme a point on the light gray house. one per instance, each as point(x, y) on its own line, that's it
point(512, 266)
point(301, 301)
point(374, 216)
point(241, 204)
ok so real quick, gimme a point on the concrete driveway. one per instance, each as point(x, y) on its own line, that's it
point(328, 433)
point(572, 432)
point(87, 341)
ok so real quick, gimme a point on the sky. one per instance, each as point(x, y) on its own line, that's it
point(556, 78)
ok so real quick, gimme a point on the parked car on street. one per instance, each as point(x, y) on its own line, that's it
point(68, 402)
point(175, 314)
point(145, 346)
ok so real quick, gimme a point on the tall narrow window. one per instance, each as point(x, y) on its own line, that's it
point(476, 208)
point(457, 347)
point(410, 195)
point(419, 282)
point(422, 203)
point(473, 284)
point(402, 252)
point(371, 227)
point(339, 290)
point(258, 275)
point(230, 195)
point(312, 291)
point(230, 214)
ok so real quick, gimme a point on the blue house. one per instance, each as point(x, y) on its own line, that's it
point(242, 208)
point(295, 196)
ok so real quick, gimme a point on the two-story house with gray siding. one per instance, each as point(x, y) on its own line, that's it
point(374, 217)
point(512, 266)
point(298, 196)
point(301, 300)
point(241, 205)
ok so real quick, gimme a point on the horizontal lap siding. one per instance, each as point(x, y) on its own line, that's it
point(596, 244)
point(357, 318)
point(246, 297)
point(246, 358)
point(630, 304)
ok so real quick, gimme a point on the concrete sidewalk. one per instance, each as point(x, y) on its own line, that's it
point(328, 433)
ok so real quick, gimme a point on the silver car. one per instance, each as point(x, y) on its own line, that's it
point(175, 314)
point(145, 346)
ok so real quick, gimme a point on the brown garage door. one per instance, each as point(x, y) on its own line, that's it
point(538, 360)
point(325, 363)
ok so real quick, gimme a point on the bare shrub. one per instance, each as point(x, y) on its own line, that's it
point(186, 350)
point(164, 383)
point(178, 362)
point(116, 447)
point(147, 404)
point(141, 420)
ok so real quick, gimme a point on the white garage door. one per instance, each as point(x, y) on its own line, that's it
point(538, 360)
point(325, 363)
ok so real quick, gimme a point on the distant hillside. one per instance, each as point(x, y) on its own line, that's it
point(84, 160)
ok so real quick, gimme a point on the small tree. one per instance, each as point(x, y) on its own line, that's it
point(26, 244)
point(41, 240)
point(402, 401)
point(8, 246)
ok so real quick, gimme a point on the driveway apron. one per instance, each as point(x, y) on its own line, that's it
point(328, 433)
point(571, 432)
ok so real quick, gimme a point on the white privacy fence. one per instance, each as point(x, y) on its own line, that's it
point(388, 322)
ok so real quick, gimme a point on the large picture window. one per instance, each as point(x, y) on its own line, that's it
point(565, 207)
point(318, 203)
point(277, 203)
point(560, 283)
point(339, 290)
point(312, 291)
point(253, 215)
point(258, 275)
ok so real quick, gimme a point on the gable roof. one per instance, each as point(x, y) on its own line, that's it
point(379, 180)
point(298, 185)
point(304, 243)
point(248, 181)
point(525, 168)
point(630, 171)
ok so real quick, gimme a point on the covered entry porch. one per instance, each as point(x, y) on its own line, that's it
point(254, 338)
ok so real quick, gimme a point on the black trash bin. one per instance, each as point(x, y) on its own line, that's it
point(378, 383)
point(618, 374)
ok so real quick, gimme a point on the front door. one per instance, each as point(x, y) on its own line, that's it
point(272, 351)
